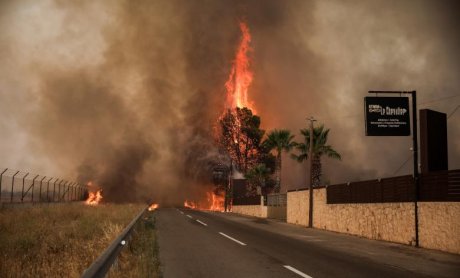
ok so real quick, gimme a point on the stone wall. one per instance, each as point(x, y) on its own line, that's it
point(276, 212)
point(251, 210)
point(383, 221)
point(439, 222)
point(439, 226)
point(297, 207)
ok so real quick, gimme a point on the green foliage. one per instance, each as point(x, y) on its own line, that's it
point(140, 258)
point(241, 137)
point(320, 148)
point(279, 140)
point(259, 176)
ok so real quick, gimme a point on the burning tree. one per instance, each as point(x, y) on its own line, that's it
point(240, 135)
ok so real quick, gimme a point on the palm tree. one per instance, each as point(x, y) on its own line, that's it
point(279, 140)
point(258, 176)
point(320, 136)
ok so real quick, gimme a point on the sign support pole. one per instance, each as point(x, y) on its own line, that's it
point(414, 149)
point(416, 175)
point(310, 154)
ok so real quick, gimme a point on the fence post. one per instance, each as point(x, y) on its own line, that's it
point(1, 177)
point(12, 186)
point(48, 189)
point(74, 193)
point(59, 191)
point(54, 188)
point(70, 192)
point(40, 192)
point(60, 198)
point(23, 182)
point(33, 187)
point(66, 191)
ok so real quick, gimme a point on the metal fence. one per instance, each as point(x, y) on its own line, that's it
point(440, 186)
point(434, 187)
point(396, 189)
point(19, 186)
point(277, 200)
point(104, 262)
point(247, 200)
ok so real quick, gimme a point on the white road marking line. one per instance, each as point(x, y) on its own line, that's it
point(296, 271)
point(231, 238)
point(202, 223)
point(181, 212)
point(189, 216)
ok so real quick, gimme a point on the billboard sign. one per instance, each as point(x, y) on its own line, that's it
point(387, 116)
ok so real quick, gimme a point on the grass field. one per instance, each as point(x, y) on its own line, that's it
point(63, 240)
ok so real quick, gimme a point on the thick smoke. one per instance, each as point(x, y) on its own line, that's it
point(127, 93)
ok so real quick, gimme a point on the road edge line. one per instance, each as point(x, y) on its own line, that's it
point(202, 223)
point(296, 271)
point(231, 238)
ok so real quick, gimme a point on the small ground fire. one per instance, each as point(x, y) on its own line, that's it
point(213, 202)
point(94, 198)
point(153, 207)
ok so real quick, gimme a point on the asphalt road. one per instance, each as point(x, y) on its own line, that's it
point(206, 244)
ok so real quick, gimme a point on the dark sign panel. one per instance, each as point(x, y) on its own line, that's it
point(387, 116)
point(433, 141)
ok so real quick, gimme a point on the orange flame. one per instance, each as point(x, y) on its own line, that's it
point(214, 202)
point(240, 75)
point(217, 201)
point(153, 207)
point(190, 205)
point(94, 198)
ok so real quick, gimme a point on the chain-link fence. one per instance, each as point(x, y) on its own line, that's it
point(19, 186)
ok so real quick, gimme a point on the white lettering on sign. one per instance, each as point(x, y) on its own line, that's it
point(395, 111)
point(398, 111)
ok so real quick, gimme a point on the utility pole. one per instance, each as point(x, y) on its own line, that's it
point(310, 189)
point(228, 186)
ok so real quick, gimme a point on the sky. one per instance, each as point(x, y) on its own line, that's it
point(127, 93)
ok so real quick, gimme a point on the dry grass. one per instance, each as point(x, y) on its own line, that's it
point(61, 240)
point(139, 258)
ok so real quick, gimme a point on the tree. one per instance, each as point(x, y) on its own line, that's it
point(259, 176)
point(279, 140)
point(320, 136)
point(241, 137)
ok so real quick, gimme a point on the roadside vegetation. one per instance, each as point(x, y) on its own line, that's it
point(140, 257)
point(63, 240)
point(257, 153)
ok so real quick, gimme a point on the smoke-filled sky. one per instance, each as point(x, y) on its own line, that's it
point(127, 92)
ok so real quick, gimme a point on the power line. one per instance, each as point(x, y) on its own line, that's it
point(452, 113)
point(402, 165)
point(439, 99)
